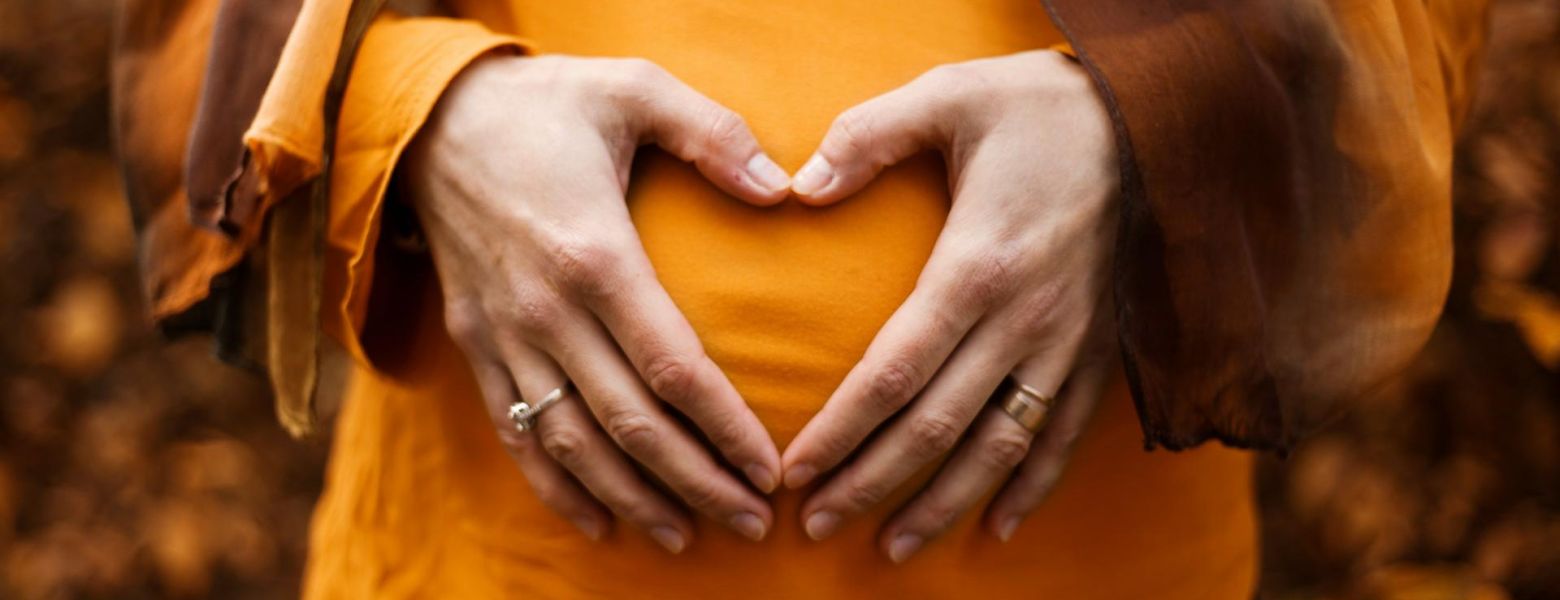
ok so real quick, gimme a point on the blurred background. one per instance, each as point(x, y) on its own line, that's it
point(134, 467)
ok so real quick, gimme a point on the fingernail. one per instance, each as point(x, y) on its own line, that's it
point(903, 546)
point(590, 527)
point(799, 475)
point(813, 177)
point(668, 538)
point(761, 477)
point(766, 173)
point(1005, 531)
point(821, 524)
point(749, 525)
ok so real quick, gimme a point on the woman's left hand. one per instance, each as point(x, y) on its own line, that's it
point(1017, 285)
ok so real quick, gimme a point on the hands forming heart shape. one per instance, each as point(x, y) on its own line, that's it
point(558, 288)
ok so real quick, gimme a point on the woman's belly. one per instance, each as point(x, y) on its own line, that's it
point(786, 299)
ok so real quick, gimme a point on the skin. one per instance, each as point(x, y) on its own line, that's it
point(518, 180)
point(545, 281)
point(1016, 285)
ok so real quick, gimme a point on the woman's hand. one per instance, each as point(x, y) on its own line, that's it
point(1016, 286)
point(519, 180)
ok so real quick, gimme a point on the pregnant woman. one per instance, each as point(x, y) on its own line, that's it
point(593, 339)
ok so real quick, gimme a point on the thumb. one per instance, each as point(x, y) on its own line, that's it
point(868, 137)
point(712, 137)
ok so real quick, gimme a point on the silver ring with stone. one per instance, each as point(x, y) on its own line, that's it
point(523, 414)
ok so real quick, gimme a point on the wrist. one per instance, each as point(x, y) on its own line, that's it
point(465, 110)
point(1084, 107)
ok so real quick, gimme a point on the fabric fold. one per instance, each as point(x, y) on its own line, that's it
point(1285, 238)
point(217, 254)
point(401, 69)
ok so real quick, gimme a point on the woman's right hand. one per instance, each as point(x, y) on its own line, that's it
point(519, 180)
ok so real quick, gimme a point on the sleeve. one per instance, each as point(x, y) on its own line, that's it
point(232, 258)
point(1285, 238)
point(403, 66)
point(401, 69)
point(160, 56)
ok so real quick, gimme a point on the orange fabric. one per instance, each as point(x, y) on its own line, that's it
point(422, 502)
point(405, 63)
point(158, 62)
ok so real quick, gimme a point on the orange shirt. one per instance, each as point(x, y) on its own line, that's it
point(420, 499)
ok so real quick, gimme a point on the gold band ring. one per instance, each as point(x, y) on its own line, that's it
point(1026, 405)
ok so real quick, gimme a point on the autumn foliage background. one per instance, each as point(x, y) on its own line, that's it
point(131, 466)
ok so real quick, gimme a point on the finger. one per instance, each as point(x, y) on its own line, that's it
point(569, 435)
point(912, 345)
point(996, 445)
point(925, 432)
point(636, 422)
point(552, 485)
point(667, 354)
point(1049, 453)
point(712, 137)
point(870, 136)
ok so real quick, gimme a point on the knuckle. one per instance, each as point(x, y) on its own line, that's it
point(1005, 452)
point(534, 313)
point(723, 128)
point(550, 493)
point(933, 434)
point(727, 434)
point(586, 265)
point(949, 82)
point(671, 377)
point(625, 501)
point(854, 130)
point(943, 316)
point(986, 277)
point(1040, 307)
point(835, 447)
point(1036, 484)
point(633, 83)
point(644, 513)
point(962, 84)
point(636, 73)
point(464, 324)
point(565, 446)
point(893, 385)
point(635, 432)
point(700, 493)
point(951, 75)
point(939, 515)
point(861, 494)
